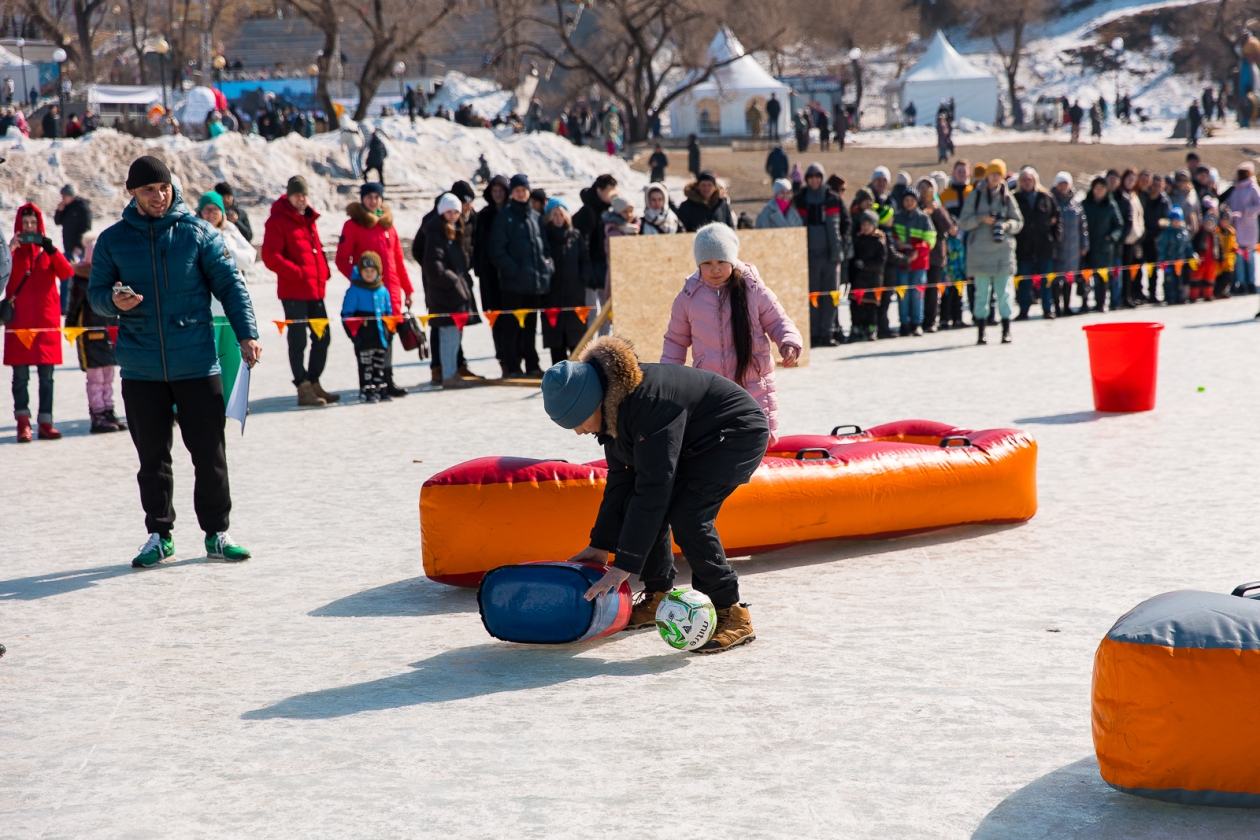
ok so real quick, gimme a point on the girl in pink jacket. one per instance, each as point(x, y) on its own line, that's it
point(728, 318)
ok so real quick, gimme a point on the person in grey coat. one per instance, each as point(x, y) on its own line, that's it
point(1073, 245)
point(779, 212)
point(991, 215)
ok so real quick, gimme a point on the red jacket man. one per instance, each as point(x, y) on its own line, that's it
point(291, 248)
point(371, 228)
point(33, 289)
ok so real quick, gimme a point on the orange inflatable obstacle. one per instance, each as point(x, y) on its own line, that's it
point(1176, 696)
point(894, 479)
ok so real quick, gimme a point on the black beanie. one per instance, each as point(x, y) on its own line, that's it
point(463, 191)
point(147, 170)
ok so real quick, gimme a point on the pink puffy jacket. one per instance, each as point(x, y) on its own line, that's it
point(701, 320)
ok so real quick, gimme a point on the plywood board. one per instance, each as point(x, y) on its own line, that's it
point(648, 272)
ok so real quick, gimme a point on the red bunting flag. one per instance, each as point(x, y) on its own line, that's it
point(113, 334)
point(552, 313)
point(857, 295)
point(353, 324)
point(1036, 281)
point(492, 315)
point(460, 319)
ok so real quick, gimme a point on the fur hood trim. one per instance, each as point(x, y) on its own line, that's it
point(691, 192)
point(621, 374)
point(360, 216)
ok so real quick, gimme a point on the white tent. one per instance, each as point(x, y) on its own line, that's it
point(718, 106)
point(98, 95)
point(24, 75)
point(943, 73)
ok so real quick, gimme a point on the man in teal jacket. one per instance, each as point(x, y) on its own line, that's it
point(155, 271)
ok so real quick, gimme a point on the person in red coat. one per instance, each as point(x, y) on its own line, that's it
point(291, 248)
point(38, 267)
point(371, 228)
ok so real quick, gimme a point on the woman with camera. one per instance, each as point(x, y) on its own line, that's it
point(992, 216)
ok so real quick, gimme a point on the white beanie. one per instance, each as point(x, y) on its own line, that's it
point(1063, 178)
point(718, 242)
point(780, 185)
point(882, 172)
point(448, 201)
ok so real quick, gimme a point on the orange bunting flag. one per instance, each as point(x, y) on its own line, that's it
point(71, 333)
point(813, 299)
point(879, 294)
point(391, 322)
point(835, 298)
point(460, 319)
point(353, 324)
point(1087, 273)
point(580, 311)
point(553, 314)
point(1133, 271)
point(27, 337)
point(940, 288)
point(280, 325)
point(1177, 265)
point(492, 315)
point(521, 315)
point(318, 325)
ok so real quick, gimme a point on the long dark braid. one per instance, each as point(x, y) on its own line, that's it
point(741, 324)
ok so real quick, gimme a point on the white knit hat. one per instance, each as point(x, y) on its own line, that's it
point(1063, 178)
point(780, 185)
point(448, 201)
point(716, 242)
point(881, 172)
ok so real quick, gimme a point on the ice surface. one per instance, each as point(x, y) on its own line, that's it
point(928, 687)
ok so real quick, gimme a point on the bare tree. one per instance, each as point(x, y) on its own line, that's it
point(841, 25)
point(72, 25)
point(1005, 23)
point(324, 15)
point(644, 53)
point(395, 27)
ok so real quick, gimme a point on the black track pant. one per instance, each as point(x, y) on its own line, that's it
point(692, 509)
point(151, 416)
point(302, 310)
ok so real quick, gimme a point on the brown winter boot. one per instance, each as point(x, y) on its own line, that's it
point(465, 373)
point(322, 394)
point(307, 395)
point(734, 628)
point(644, 612)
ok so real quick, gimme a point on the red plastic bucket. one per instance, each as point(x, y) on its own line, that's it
point(1124, 363)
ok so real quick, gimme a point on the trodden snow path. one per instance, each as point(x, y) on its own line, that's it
point(932, 686)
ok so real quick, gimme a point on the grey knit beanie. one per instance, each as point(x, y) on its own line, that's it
point(716, 242)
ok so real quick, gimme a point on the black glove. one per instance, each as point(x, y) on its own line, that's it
point(859, 264)
point(48, 246)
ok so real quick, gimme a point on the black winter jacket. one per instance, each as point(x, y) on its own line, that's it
point(1043, 226)
point(75, 220)
point(695, 212)
point(1106, 226)
point(871, 255)
point(573, 267)
point(588, 221)
point(447, 286)
point(662, 423)
point(487, 274)
point(520, 251)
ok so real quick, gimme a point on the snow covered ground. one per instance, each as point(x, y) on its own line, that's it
point(935, 686)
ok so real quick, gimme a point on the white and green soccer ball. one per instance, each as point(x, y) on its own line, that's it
point(686, 619)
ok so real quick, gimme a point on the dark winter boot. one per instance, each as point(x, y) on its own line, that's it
point(382, 378)
point(100, 425)
point(644, 612)
point(980, 325)
point(1006, 331)
point(390, 389)
point(435, 373)
point(465, 373)
point(734, 628)
point(367, 388)
point(1022, 316)
point(119, 423)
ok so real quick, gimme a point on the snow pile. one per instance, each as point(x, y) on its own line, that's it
point(422, 163)
point(486, 98)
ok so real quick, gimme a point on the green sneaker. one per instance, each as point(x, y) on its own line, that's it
point(155, 549)
point(220, 546)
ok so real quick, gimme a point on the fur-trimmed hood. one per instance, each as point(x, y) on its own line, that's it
point(360, 215)
point(691, 192)
point(619, 371)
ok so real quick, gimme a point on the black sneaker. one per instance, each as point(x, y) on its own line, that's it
point(392, 390)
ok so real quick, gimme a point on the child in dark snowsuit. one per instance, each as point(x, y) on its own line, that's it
point(362, 314)
point(871, 254)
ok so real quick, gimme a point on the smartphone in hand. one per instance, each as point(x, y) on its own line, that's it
point(123, 291)
point(30, 238)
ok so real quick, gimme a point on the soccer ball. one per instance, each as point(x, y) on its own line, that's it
point(686, 619)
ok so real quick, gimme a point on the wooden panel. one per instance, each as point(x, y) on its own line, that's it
point(649, 271)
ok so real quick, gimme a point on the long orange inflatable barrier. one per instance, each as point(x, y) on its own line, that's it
point(899, 478)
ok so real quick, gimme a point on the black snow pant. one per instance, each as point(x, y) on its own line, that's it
point(302, 310)
point(824, 320)
point(151, 410)
point(519, 343)
point(693, 507)
point(932, 296)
